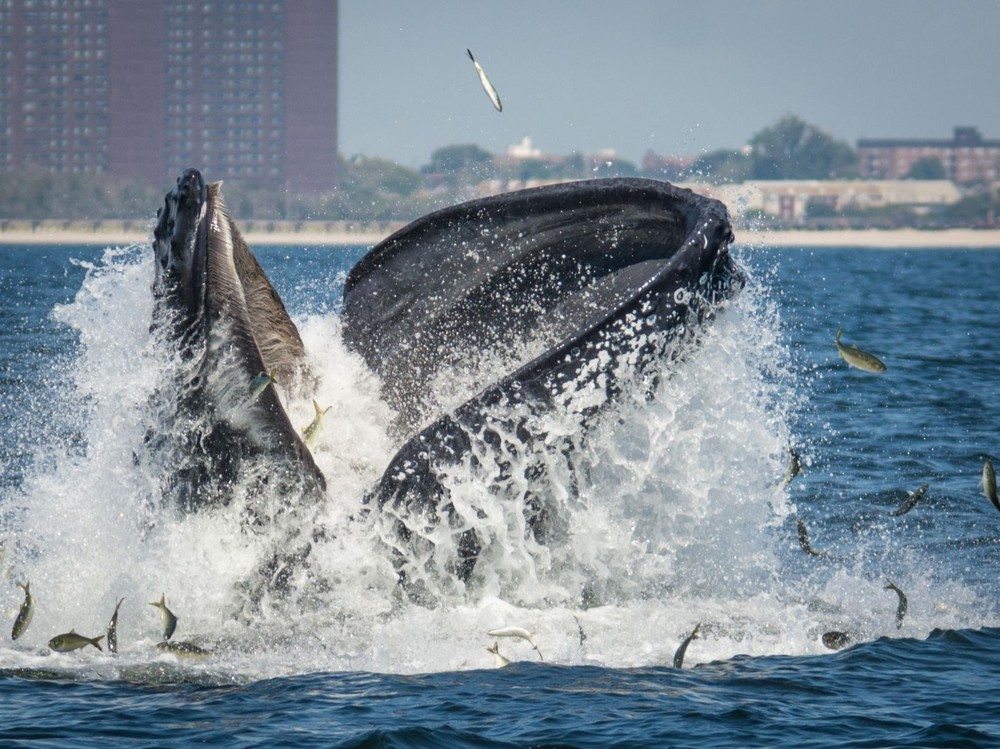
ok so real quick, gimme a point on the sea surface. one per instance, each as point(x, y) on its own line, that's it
point(682, 517)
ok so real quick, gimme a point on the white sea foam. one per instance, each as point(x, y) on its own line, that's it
point(671, 514)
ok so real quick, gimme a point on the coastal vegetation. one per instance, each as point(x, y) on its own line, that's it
point(376, 189)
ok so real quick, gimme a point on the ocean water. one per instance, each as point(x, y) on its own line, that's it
point(679, 517)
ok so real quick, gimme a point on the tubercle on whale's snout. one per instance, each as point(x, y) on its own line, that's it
point(177, 225)
point(183, 207)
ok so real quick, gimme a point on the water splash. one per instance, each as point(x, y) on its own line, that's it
point(670, 513)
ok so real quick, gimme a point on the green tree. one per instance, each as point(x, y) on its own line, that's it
point(977, 209)
point(378, 175)
point(929, 167)
point(794, 149)
point(461, 164)
point(723, 166)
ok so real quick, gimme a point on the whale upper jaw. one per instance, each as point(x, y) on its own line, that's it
point(217, 309)
point(179, 242)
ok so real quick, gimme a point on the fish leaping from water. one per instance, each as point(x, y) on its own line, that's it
point(858, 358)
point(519, 632)
point(487, 86)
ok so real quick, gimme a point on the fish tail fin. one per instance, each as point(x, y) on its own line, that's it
point(837, 337)
point(469, 53)
point(96, 642)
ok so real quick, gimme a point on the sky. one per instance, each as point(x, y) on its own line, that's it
point(680, 78)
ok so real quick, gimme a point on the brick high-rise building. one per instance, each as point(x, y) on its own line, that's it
point(967, 158)
point(241, 89)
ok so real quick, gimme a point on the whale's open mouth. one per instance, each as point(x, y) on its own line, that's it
point(545, 300)
point(476, 318)
point(528, 277)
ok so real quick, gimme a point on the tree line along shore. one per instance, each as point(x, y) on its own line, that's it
point(803, 179)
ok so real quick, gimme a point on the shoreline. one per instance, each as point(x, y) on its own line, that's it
point(117, 233)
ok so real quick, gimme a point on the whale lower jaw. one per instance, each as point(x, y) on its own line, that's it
point(589, 286)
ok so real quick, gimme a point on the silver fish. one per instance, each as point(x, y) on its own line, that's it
point(679, 655)
point(182, 649)
point(72, 641)
point(309, 432)
point(112, 635)
point(498, 660)
point(804, 540)
point(857, 357)
point(25, 613)
point(487, 86)
point(579, 629)
point(903, 603)
point(837, 640)
point(519, 632)
point(910, 502)
point(794, 465)
point(166, 616)
point(990, 483)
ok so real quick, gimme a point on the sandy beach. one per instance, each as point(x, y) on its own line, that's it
point(335, 233)
point(874, 238)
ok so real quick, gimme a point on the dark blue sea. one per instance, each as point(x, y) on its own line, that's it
point(681, 517)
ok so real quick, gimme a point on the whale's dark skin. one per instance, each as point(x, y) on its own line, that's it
point(215, 305)
point(591, 271)
point(530, 295)
point(559, 262)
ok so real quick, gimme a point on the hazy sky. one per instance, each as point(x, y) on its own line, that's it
point(675, 77)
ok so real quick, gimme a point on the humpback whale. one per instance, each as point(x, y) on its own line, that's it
point(586, 284)
point(544, 300)
point(217, 436)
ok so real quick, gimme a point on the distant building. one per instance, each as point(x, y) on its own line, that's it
point(967, 158)
point(790, 200)
point(524, 150)
point(146, 88)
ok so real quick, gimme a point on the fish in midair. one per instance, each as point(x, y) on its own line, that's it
point(901, 608)
point(72, 641)
point(990, 483)
point(498, 660)
point(166, 616)
point(857, 357)
point(518, 632)
point(804, 540)
point(679, 655)
point(112, 635)
point(837, 640)
point(910, 501)
point(579, 629)
point(25, 613)
point(794, 465)
point(309, 432)
point(487, 86)
point(182, 649)
point(259, 384)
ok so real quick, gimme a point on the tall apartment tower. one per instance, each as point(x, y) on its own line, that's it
point(241, 89)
